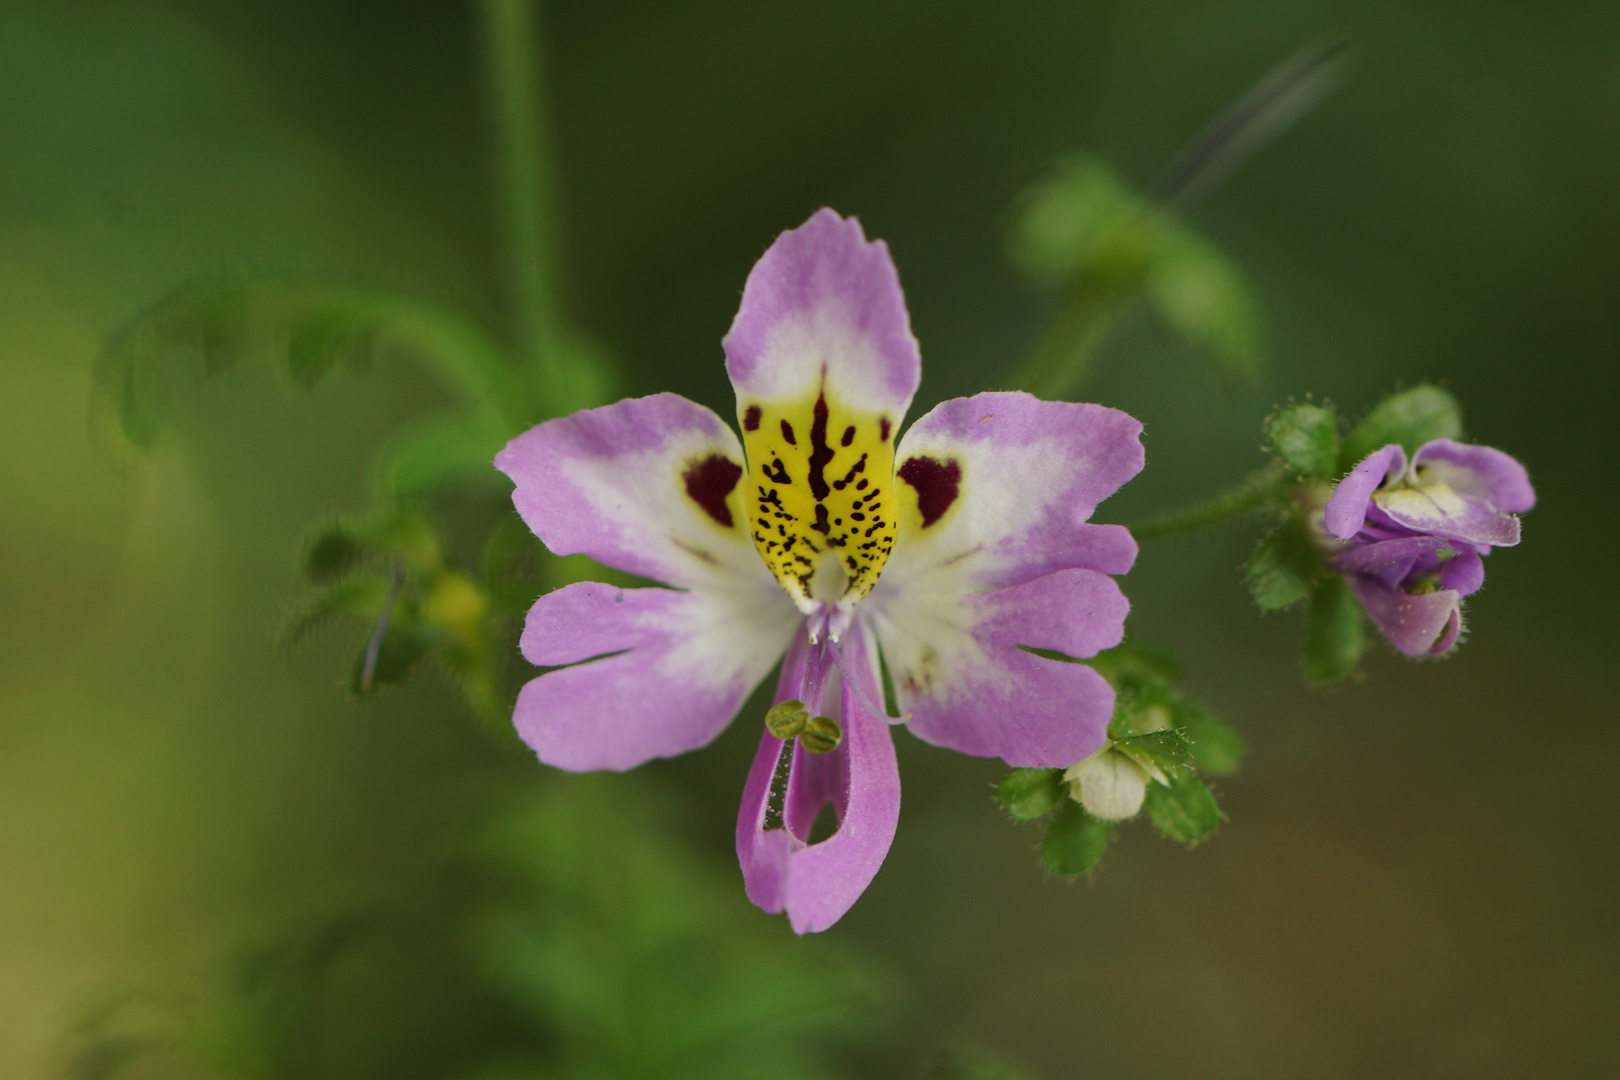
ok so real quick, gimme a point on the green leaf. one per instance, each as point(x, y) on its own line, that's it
point(1075, 840)
point(1334, 632)
point(1169, 750)
point(1411, 418)
point(1184, 811)
point(1201, 293)
point(1306, 438)
point(1216, 748)
point(1028, 794)
point(1284, 567)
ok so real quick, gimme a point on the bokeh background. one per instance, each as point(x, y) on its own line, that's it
point(1419, 874)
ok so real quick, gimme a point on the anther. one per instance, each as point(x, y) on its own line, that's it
point(787, 719)
point(821, 735)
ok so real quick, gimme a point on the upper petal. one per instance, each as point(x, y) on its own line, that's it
point(817, 883)
point(1347, 508)
point(823, 302)
point(648, 485)
point(997, 487)
point(1481, 471)
point(958, 667)
point(674, 667)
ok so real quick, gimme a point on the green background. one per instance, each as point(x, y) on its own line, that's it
point(1419, 874)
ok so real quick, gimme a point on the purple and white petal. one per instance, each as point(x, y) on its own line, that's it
point(817, 883)
point(1347, 508)
point(1482, 472)
point(1465, 574)
point(823, 303)
point(996, 489)
point(1426, 624)
point(648, 485)
point(960, 666)
point(673, 669)
point(1436, 509)
point(1393, 561)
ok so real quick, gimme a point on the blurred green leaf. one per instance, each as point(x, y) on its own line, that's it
point(1028, 794)
point(1410, 418)
point(457, 446)
point(1216, 748)
point(642, 962)
point(1184, 810)
point(1075, 841)
point(1201, 294)
point(1284, 567)
point(975, 1063)
point(1334, 632)
point(1306, 438)
point(1068, 216)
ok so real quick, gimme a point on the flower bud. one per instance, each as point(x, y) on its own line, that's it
point(1109, 784)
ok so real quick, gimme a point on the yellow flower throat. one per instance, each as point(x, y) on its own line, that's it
point(820, 496)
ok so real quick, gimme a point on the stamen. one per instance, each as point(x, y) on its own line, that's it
point(786, 719)
point(821, 735)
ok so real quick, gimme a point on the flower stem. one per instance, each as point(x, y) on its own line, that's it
point(1064, 355)
point(513, 76)
point(1253, 493)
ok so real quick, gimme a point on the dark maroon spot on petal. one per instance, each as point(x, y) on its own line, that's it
point(883, 429)
point(820, 524)
point(787, 433)
point(937, 483)
point(709, 482)
point(849, 435)
point(861, 486)
point(776, 472)
point(820, 452)
point(751, 418)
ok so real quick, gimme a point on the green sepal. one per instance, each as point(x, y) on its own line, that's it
point(1411, 418)
point(1216, 748)
point(405, 644)
point(1027, 794)
point(1284, 567)
point(1169, 750)
point(1334, 632)
point(1075, 841)
point(333, 554)
point(1132, 665)
point(1306, 438)
point(1184, 810)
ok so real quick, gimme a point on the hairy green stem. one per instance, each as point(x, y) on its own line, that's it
point(513, 82)
point(1249, 495)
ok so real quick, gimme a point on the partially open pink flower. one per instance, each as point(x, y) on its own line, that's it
point(1416, 533)
point(817, 537)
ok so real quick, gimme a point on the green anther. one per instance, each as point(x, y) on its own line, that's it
point(821, 735)
point(786, 719)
